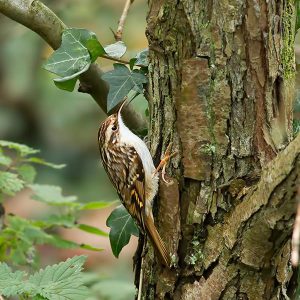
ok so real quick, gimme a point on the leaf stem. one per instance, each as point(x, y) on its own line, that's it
point(123, 61)
point(115, 59)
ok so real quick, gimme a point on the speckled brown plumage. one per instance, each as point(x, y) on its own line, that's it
point(126, 170)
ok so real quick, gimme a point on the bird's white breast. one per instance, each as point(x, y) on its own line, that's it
point(129, 138)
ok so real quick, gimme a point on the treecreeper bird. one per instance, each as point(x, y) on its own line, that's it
point(129, 165)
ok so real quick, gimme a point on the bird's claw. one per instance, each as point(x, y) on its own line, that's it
point(163, 163)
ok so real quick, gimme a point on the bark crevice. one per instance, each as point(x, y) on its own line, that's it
point(217, 68)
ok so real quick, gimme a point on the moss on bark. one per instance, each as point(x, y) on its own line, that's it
point(219, 93)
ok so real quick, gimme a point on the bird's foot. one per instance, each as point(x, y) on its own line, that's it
point(163, 163)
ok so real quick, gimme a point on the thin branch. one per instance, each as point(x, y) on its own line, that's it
point(39, 18)
point(123, 61)
point(116, 59)
point(119, 33)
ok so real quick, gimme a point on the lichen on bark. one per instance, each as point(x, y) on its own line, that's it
point(218, 91)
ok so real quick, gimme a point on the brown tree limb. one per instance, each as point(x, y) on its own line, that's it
point(38, 17)
point(256, 224)
point(272, 176)
point(119, 33)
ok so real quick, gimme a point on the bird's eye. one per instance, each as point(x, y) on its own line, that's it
point(114, 127)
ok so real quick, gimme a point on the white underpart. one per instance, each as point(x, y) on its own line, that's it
point(151, 181)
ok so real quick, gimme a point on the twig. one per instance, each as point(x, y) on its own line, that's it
point(116, 59)
point(123, 61)
point(119, 33)
point(296, 235)
point(39, 18)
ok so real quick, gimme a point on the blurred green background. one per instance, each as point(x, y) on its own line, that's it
point(64, 126)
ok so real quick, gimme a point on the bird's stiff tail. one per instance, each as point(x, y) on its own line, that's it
point(156, 240)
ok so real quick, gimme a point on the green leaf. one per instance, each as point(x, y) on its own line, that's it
point(58, 242)
point(63, 281)
point(72, 57)
point(11, 283)
point(92, 229)
point(122, 227)
point(121, 81)
point(91, 248)
point(27, 173)
point(4, 160)
point(96, 205)
point(94, 47)
point(26, 231)
point(60, 282)
point(79, 48)
point(40, 161)
point(138, 78)
point(116, 50)
point(57, 220)
point(22, 149)
point(19, 236)
point(132, 63)
point(38, 297)
point(10, 184)
point(51, 195)
point(142, 58)
point(89, 40)
point(65, 83)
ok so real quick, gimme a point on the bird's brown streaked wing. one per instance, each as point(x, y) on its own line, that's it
point(134, 190)
point(130, 185)
point(135, 204)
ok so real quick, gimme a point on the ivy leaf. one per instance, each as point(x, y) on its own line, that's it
point(67, 83)
point(79, 48)
point(72, 57)
point(94, 47)
point(22, 149)
point(27, 173)
point(122, 226)
point(88, 39)
point(142, 58)
point(11, 283)
point(132, 63)
point(116, 50)
point(121, 81)
point(10, 184)
point(63, 281)
point(51, 195)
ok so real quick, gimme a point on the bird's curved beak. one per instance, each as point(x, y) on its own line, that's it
point(122, 105)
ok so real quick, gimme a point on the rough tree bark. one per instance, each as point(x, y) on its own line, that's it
point(222, 87)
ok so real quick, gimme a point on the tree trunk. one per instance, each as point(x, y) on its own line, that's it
point(221, 90)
